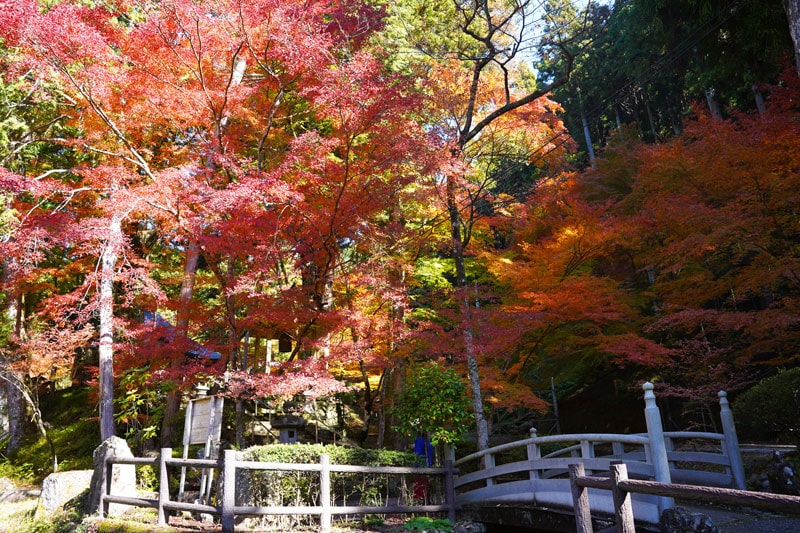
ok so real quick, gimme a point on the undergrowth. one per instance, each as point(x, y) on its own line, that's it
point(74, 429)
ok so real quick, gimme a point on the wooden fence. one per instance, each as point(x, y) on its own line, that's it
point(226, 494)
point(621, 488)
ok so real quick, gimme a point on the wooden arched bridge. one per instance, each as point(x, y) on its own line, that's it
point(522, 473)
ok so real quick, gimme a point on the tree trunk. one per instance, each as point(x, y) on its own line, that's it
point(713, 104)
point(15, 404)
point(586, 133)
point(759, 97)
point(650, 118)
point(182, 325)
point(239, 360)
point(792, 8)
point(106, 328)
point(588, 136)
point(384, 386)
point(481, 426)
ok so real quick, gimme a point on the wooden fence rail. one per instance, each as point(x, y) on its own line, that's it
point(226, 495)
point(621, 487)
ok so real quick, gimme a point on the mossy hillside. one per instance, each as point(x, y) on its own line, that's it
point(72, 424)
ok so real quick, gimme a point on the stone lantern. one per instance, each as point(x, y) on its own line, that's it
point(288, 427)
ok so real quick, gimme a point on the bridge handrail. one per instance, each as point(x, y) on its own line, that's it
point(694, 435)
point(620, 486)
point(548, 439)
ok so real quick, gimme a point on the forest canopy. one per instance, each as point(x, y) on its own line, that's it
point(308, 200)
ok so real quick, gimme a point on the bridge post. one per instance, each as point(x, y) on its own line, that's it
point(731, 441)
point(534, 454)
point(489, 464)
point(587, 452)
point(658, 447)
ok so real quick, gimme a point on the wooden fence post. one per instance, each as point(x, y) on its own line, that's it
point(534, 454)
point(580, 500)
point(731, 441)
point(102, 508)
point(623, 507)
point(325, 492)
point(228, 496)
point(450, 490)
point(658, 447)
point(163, 484)
point(109, 479)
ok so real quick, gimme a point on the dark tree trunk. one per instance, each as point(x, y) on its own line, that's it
point(175, 395)
point(792, 8)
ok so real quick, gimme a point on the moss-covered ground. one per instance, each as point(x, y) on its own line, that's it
point(70, 416)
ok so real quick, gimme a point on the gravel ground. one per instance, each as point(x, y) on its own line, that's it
point(730, 520)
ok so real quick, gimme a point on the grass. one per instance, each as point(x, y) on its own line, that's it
point(16, 516)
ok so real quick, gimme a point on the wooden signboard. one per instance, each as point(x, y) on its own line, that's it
point(202, 420)
point(203, 426)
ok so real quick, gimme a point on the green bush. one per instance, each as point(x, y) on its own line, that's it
point(146, 477)
point(434, 402)
point(276, 488)
point(770, 410)
point(423, 523)
point(339, 455)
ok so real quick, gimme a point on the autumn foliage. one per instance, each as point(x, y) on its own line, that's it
point(674, 261)
point(248, 194)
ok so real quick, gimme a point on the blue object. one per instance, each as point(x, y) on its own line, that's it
point(424, 448)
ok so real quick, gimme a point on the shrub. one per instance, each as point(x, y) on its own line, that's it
point(770, 410)
point(274, 488)
point(423, 523)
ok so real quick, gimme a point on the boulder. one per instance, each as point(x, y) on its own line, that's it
point(682, 520)
point(61, 487)
point(123, 477)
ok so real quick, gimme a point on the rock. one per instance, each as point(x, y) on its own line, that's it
point(59, 488)
point(469, 527)
point(682, 520)
point(782, 476)
point(123, 477)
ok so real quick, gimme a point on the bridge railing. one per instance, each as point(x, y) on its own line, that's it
point(506, 462)
point(519, 471)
